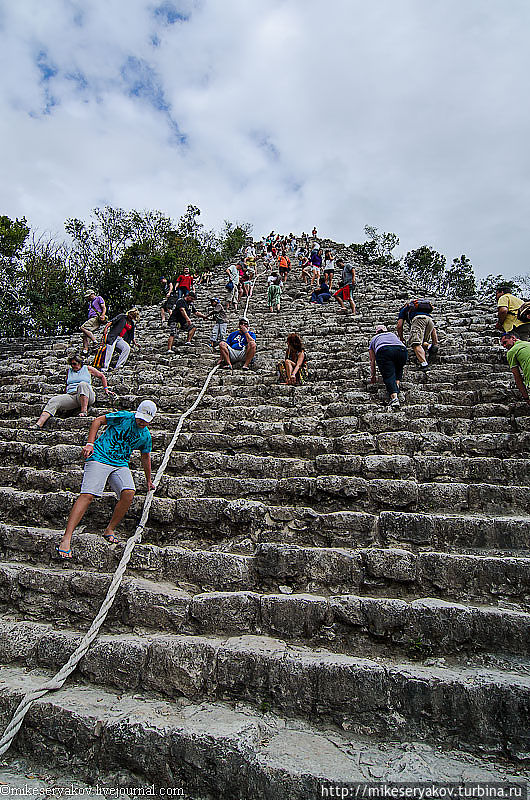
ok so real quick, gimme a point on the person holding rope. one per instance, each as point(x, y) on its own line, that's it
point(107, 459)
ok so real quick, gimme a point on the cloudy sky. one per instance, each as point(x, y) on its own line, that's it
point(410, 115)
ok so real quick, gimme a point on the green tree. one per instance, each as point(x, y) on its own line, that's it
point(459, 280)
point(378, 249)
point(488, 285)
point(426, 266)
point(13, 235)
point(51, 287)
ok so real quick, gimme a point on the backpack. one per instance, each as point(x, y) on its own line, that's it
point(523, 312)
point(99, 358)
point(419, 307)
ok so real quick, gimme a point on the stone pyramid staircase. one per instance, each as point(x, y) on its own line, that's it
point(327, 592)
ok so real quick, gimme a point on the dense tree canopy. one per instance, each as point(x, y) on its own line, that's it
point(121, 254)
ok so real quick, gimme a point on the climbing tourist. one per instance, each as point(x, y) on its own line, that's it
point(107, 459)
point(184, 283)
point(390, 354)
point(322, 294)
point(423, 337)
point(328, 268)
point(79, 392)
point(274, 292)
point(97, 315)
point(284, 266)
point(293, 369)
point(316, 261)
point(518, 355)
point(509, 312)
point(232, 286)
point(240, 347)
point(345, 290)
point(180, 316)
point(120, 333)
point(220, 315)
point(166, 287)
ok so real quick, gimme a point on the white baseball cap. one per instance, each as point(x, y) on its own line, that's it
point(146, 410)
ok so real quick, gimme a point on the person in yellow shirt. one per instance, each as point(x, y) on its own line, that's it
point(507, 306)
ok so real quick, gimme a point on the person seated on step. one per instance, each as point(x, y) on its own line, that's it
point(180, 316)
point(422, 337)
point(518, 355)
point(79, 392)
point(97, 315)
point(107, 459)
point(322, 294)
point(220, 315)
point(509, 312)
point(239, 348)
point(390, 354)
point(293, 369)
point(345, 290)
point(120, 333)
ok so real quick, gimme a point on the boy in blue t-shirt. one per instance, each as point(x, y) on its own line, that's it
point(107, 459)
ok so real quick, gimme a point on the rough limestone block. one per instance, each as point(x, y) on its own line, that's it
point(154, 605)
point(393, 564)
point(230, 612)
point(183, 665)
point(120, 662)
point(296, 616)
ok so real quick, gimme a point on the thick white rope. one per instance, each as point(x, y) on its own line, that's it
point(60, 677)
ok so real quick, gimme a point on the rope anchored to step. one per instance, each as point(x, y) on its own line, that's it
point(59, 679)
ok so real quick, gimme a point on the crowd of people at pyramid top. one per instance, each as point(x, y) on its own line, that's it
point(329, 277)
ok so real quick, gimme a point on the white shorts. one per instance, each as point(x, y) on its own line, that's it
point(236, 356)
point(96, 474)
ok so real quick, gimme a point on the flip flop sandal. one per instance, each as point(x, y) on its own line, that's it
point(111, 539)
point(63, 553)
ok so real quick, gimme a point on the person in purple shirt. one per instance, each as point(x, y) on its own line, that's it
point(97, 315)
point(390, 354)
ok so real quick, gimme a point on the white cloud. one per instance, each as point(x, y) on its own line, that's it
point(409, 116)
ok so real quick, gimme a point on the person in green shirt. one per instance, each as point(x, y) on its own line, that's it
point(518, 355)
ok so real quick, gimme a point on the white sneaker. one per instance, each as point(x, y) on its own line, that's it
point(395, 404)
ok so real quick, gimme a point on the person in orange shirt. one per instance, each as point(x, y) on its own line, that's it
point(284, 265)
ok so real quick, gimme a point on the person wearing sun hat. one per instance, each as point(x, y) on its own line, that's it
point(97, 315)
point(390, 354)
point(107, 459)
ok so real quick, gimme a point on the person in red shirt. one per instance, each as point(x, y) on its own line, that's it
point(184, 283)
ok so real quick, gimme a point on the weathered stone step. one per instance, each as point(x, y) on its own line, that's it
point(449, 531)
point(212, 749)
point(474, 707)
point(363, 625)
point(327, 493)
point(276, 566)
